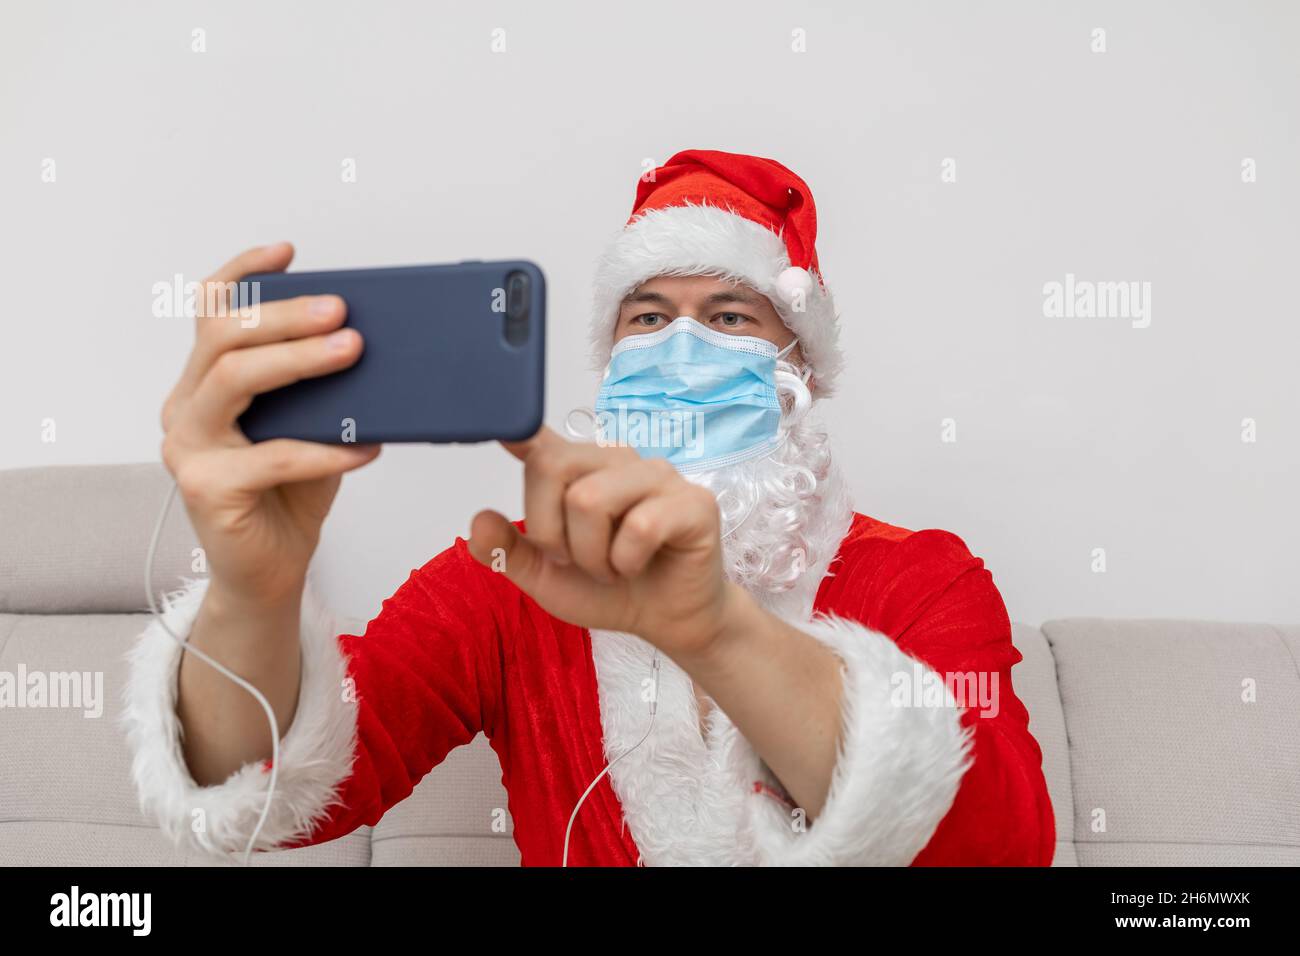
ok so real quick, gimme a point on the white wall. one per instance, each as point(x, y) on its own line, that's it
point(1072, 434)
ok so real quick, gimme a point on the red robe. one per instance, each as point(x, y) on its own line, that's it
point(459, 650)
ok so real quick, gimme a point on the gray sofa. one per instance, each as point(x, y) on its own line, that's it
point(1151, 753)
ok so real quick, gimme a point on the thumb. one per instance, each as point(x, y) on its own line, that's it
point(496, 543)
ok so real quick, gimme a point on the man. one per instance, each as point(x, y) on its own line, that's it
point(692, 651)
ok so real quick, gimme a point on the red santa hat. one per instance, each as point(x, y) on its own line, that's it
point(745, 218)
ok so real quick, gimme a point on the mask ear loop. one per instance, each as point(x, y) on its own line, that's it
point(785, 385)
point(582, 434)
point(753, 503)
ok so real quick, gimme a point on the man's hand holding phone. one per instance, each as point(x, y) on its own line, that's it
point(257, 509)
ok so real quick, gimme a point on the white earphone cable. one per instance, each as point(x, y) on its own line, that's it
point(654, 707)
point(220, 668)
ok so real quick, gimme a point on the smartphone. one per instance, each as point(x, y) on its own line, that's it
point(452, 353)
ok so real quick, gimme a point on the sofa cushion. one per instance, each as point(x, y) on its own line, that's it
point(456, 816)
point(66, 790)
point(76, 537)
point(1172, 762)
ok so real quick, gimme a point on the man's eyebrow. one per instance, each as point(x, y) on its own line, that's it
point(658, 298)
point(737, 294)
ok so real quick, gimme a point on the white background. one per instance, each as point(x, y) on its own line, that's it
point(1072, 434)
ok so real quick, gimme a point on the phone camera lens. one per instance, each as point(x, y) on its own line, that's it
point(518, 294)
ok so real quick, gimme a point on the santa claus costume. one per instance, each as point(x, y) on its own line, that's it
point(923, 775)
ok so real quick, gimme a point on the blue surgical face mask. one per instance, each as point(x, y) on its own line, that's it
point(697, 397)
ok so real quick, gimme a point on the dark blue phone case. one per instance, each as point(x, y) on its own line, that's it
point(436, 367)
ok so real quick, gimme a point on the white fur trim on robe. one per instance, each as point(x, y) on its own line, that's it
point(897, 774)
point(316, 753)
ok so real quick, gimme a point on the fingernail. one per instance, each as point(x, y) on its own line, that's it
point(339, 341)
point(324, 305)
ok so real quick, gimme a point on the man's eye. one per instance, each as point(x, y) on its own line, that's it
point(649, 319)
point(731, 320)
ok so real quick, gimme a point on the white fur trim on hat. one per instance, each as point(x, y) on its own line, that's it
point(709, 240)
point(316, 753)
point(897, 773)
